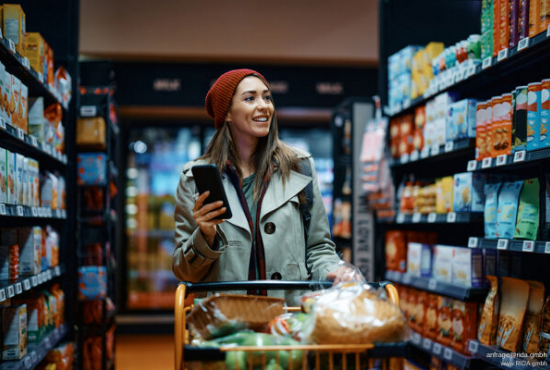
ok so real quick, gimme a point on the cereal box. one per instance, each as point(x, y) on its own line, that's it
point(444, 195)
point(396, 251)
point(468, 194)
point(35, 183)
point(16, 93)
point(519, 123)
point(12, 194)
point(462, 120)
point(7, 99)
point(37, 121)
point(35, 50)
point(545, 114)
point(3, 176)
point(468, 267)
point(20, 181)
point(30, 247)
point(419, 260)
point(14, 26)
point(14, 330)
point(3, 105)
point(442, 269)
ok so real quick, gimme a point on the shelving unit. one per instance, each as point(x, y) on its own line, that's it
point(443, 352)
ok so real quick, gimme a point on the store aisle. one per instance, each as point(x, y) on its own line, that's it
point(137, 352)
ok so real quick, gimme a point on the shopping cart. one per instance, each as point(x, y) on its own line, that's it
point(342, 356)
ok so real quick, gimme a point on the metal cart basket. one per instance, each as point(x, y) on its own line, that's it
point(341, 356)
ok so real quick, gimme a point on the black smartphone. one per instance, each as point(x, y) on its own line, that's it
point(207, 178)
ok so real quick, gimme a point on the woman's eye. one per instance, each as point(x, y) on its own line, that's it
point(268, 97)
point(249, 98)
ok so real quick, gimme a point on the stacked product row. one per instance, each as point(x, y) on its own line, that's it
point(30, 319)
point(59, 358)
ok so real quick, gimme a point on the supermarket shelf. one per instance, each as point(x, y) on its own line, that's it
point(9, 210)
point(504, 359)
point(28, 145)
point(20, 67)
point(438, 218)
point(451, 147)
point(511, 160)
point(37, 352)
point(10, 289)
point(527, 246)
point(437, 287)
point(442, 352)
point(464, 80)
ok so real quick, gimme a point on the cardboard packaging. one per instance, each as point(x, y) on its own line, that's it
point(20, 180)
point(468, 267)
point(14, 26)
point(442, 268)
point(502, 126)
point(545, 114)
point(481, 130)
point(461, 120)
point(30, 244)
point(17, 109)
point(7, 99)
point(92, 169)
point(468, 194)
point(90, 132)
point(533, 115)
point(37, 121)
point(14, 330)
point(419, 260)
point(3, 91)
point(35, 51)
point(24, 108)
point(12, 175)
point(3, 176)
point(464, 318)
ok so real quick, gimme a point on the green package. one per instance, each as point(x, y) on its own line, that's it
point(527, 224)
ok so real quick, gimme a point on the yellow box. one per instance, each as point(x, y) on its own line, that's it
point(14, 26)
point(90, 132)
point(444, 195)
point(35, 51)
point(432, 50)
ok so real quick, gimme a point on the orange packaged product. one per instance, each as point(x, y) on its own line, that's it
point(481, 131)
point(394, 137)
point(430, 317)
point(411, 307)
point(464, 324)
point(513, 305)
point(544, 15)
point(407, 200)
point(534, 18)
point(444, 320)
point(406, 135)
point(496, 26)
point(421, 301)
point(491, 129)
point(502, 129)
point(504, 28)
point(396, 251)
point(419, 122)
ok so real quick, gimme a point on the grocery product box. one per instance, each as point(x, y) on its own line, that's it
point(396, 251)
point(12, 181)
point(464, 325)
point(444, 195)
point(444, 320)
point(481, 130)
point(534, 18)
point(3, 102)
point(3, 176)
point(533, 115)
point(461, 120)
point(35, 51)
point(545, 114)
point(49, 77)
point(20, 180)
point(502, 126)
point(14, 330)
point(468, 194)
point(419, 260)
point(430, 317)
point(9, 261)
point(92, 169)
point(442, 268)
point(16, 96)
point(34, 182)
point(34, 316)
point(30, 247)
point(14, 26)
point(92, 282)
point(468, 267)
point(24, 108)
point(48, 190)
point(37, 121)
point(90, 132)
point(7, 98)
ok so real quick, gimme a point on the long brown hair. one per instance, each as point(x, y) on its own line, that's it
point(271, 152)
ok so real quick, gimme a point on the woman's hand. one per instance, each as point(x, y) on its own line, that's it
point(344, 273)
point(204, 217)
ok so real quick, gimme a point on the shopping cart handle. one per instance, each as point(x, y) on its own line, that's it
point(257, 285)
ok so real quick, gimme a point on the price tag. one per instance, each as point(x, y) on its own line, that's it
point(432, 284)
point(486, 63)
point(451, 217)
point(547, 248)
point(2, 209)
point(425, 153)
point(47, 342)
point(449, 145)
point(416, 339)
point(20, 134)
point(40, 212)
point(459, 75)
point(34, 281)
point(39, 276)
point(34, 142)
point(49, 211)
point(26, 63)
point(528, 246)
point(414, 156)
point(57, 271)
point(407, 104)
point(416, 218)
point(523, 44)
point(27, 284)
point(406, 279)
point(405, 158)
point(503, 54)
point(448, 354)
point(400, 218)
point(49, 273)
point(2, 295)
point(519, 156)
point(432, 217)
point(34, 211)
point(11, 291)
point(472, 165)
point(33, 356)
point(502, 244)
point(426, 344)
point(435, 149)
point(486, 163)
point(501, 160)
point(2, 124)
point(11, 46)
point(41, 77)
point(18, 288)
point(471, 71)
point(473, 242)
point(472, 347)
point(27, 362)
point(20, 211)
point(44, 277)
point(437, 349)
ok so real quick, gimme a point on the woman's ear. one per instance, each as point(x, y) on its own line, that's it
point(228, 117)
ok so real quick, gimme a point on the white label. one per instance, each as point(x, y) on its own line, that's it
point(473, 242)
point(406, 103)
point(451, 217)
point(49, 273)
point(519, 156)
point(33, 355)
point(406, 279)
point(44, 277)
point(11, 45)
point(460, 75)
point(49, 212)
point(26, 63)
point(414, 156)
point(18, 288)
point(40, 212)
point(487, 63)
point(435, 149)
point(405, 158)
point(11, 291)
point(448, 354)
point(34, 212)
point(486, 163)
point(416, 218)
point(41, 76)
point(503, 244)
point(503, 54)
point(437, 349)
point(47, 342)
point(34, 142)
point(471, 71)
point(20, 211)
point(39, 276)
point(528, 246)
point(472, 165)
point(547, 248)
point(2, 124)
point(523, 44)
point(57, 271)
point(432, 217)
point(400, 218)
point(425, 153)
point(34, 281)
point(432, 284)
point(20, 134)
point(426, 344)
point(416, 338)
point(2, 295)
point(501, 160)
point(2, 209)
point(472, 346)
point(449, 145)
point(27, 284)
point(28, 362)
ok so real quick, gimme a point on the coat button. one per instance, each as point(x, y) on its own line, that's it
point(276, 276)
point(269, 228)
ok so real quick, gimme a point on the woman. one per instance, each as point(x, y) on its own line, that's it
point(265, 237)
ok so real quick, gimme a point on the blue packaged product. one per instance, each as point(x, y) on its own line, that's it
point(508, 201)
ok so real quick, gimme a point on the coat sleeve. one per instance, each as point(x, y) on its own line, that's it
point(321, 250)
point(192, 258)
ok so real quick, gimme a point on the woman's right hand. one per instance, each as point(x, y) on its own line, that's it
point(204, 217)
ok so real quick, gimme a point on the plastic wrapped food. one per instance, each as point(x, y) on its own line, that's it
point(289, 325)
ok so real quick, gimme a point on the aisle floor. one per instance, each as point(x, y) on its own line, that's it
point(144, 352)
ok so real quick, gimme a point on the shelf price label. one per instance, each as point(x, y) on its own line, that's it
point(20, 134)
point(416, 338)
point(57, 271)
point(528, 246)
point(20, 211)
point(448, 354)
point(33, 356)
point(40, 280)
point(471, 71)
point(425, 153)
point(548, 32)
point(2, 124)
point(473, 242)
point(414, 156)
point(34, 212)
point(34, 142)
point(486, 163)
point(34, 281)
point(2, 209)
point(472, 165)
point(426, 344)
point(503, 54)
point(437, 348)
point(501, 160)
point(519, 156)
point(49, 274)
point(487, 63)
point(2, 295)
point(547, 248)
point(502, 244)
point(449, 145)
point(26, 63)
point(435, 149)
point(400, 218)
point(40, 212)
point(11, 46)
point(27, 362)
point(27, 284)
point(416, 217)
point(11, 291)
point(407, 104)
point(472, 347)
point(18, 288)
point(406, 279)
point(459, 75)
point(451, 217)
point(432, 217)
point(523, 44)
point(405, 158)
point(432, 284)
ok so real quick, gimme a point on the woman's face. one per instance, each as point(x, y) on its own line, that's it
point(251, 110)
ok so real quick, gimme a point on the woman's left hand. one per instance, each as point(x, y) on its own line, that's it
point(343, 273)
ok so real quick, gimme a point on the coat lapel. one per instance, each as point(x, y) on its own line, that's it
point(239, 218)
point(277, 195)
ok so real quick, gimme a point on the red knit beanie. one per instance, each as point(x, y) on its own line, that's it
point(218, 99)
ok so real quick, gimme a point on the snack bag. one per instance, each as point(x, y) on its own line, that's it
point(533, 318)
point(396, 251)
point(527, 223)
point(544, 342)
point(515, 297)
point(430, 324)
point(444, 320)
point(487, 329)
point(508, 201)
point(491, 206)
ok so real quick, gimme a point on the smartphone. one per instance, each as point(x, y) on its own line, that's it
point(207, 178)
